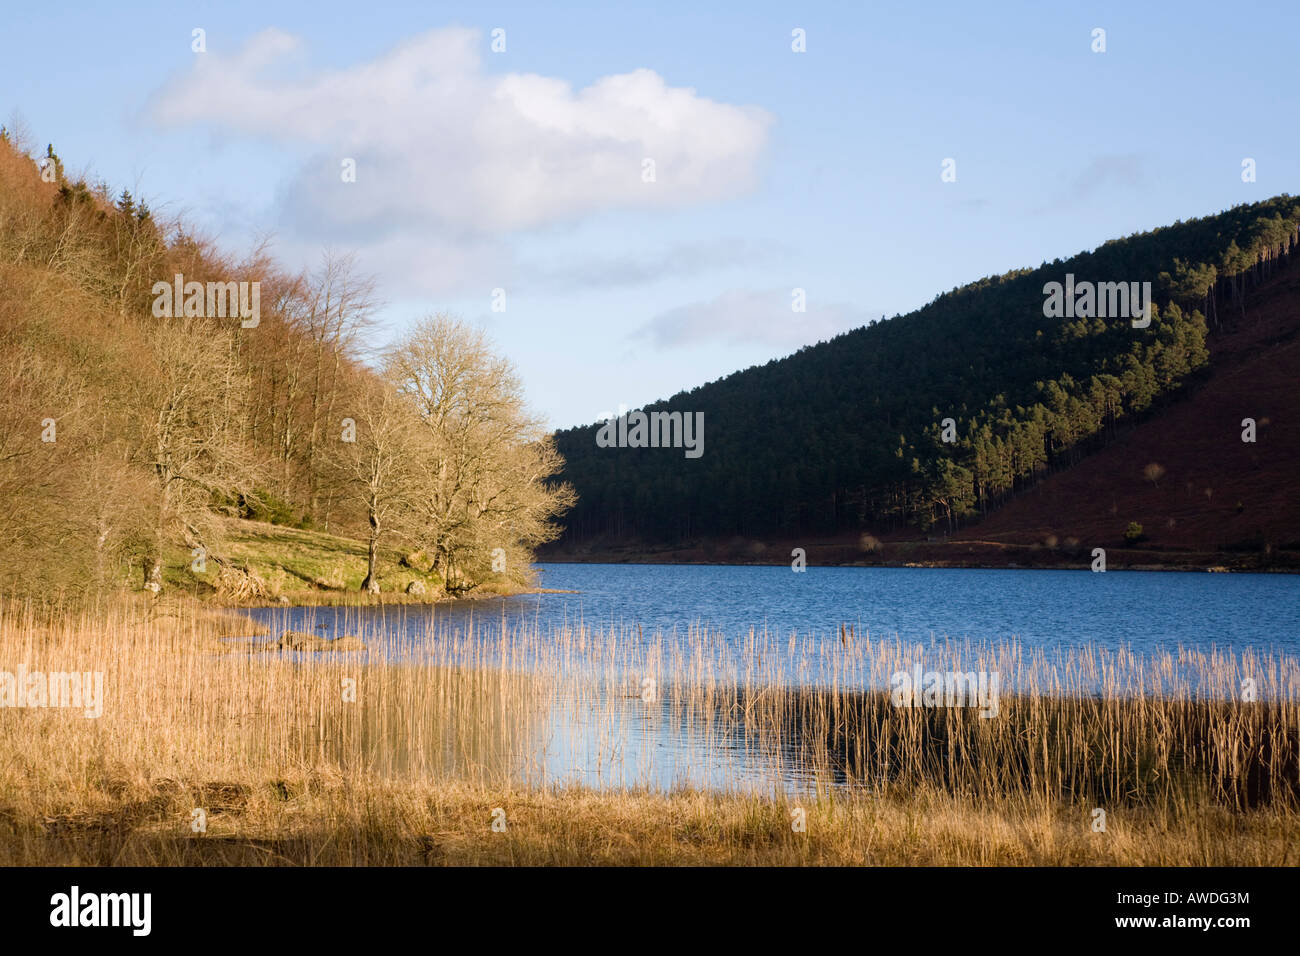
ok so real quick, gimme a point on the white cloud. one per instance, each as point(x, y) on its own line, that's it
point(442, 145)
point(743, 317)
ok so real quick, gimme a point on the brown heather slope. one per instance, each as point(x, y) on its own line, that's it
point(1218, 493)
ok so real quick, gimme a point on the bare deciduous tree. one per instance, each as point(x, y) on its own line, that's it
point(486, 466)
point(190, 412)
point(377, 467)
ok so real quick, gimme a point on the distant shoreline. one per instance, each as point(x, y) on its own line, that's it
point(957, 554)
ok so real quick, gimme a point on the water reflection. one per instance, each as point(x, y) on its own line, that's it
point(484, 693)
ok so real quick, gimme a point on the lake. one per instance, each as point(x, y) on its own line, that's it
point(631, 645)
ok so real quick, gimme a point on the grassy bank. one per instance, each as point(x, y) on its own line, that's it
point(322, 821)
point(281, 764)
point(309, 567)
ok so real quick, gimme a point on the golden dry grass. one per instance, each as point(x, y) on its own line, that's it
point(288, 771)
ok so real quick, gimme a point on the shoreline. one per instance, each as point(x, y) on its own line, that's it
point(361, 599)
point(932, 565)
point(989, 556)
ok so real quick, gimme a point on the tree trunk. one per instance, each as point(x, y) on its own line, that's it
point(153, 573)
point(371, 583)
point(153, 564)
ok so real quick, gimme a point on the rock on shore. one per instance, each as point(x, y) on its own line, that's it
point(302, 641)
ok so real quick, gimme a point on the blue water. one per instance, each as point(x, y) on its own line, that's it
point(1041, 608)
point(1145, 610)
point(602, 733)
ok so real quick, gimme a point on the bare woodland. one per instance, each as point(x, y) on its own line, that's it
point(127, 442)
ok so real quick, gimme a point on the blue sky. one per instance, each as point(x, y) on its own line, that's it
point(522, 170)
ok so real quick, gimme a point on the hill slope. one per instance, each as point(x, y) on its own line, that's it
point(843, 442)
point(1217, 493)
point(136, 424)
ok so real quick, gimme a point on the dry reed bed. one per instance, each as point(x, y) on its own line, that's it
point(445, 729)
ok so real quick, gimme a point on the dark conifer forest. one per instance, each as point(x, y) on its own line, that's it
point(848, 435)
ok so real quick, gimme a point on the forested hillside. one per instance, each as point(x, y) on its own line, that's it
point(136, 424)
point(848, 435)
point(1184, 477)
